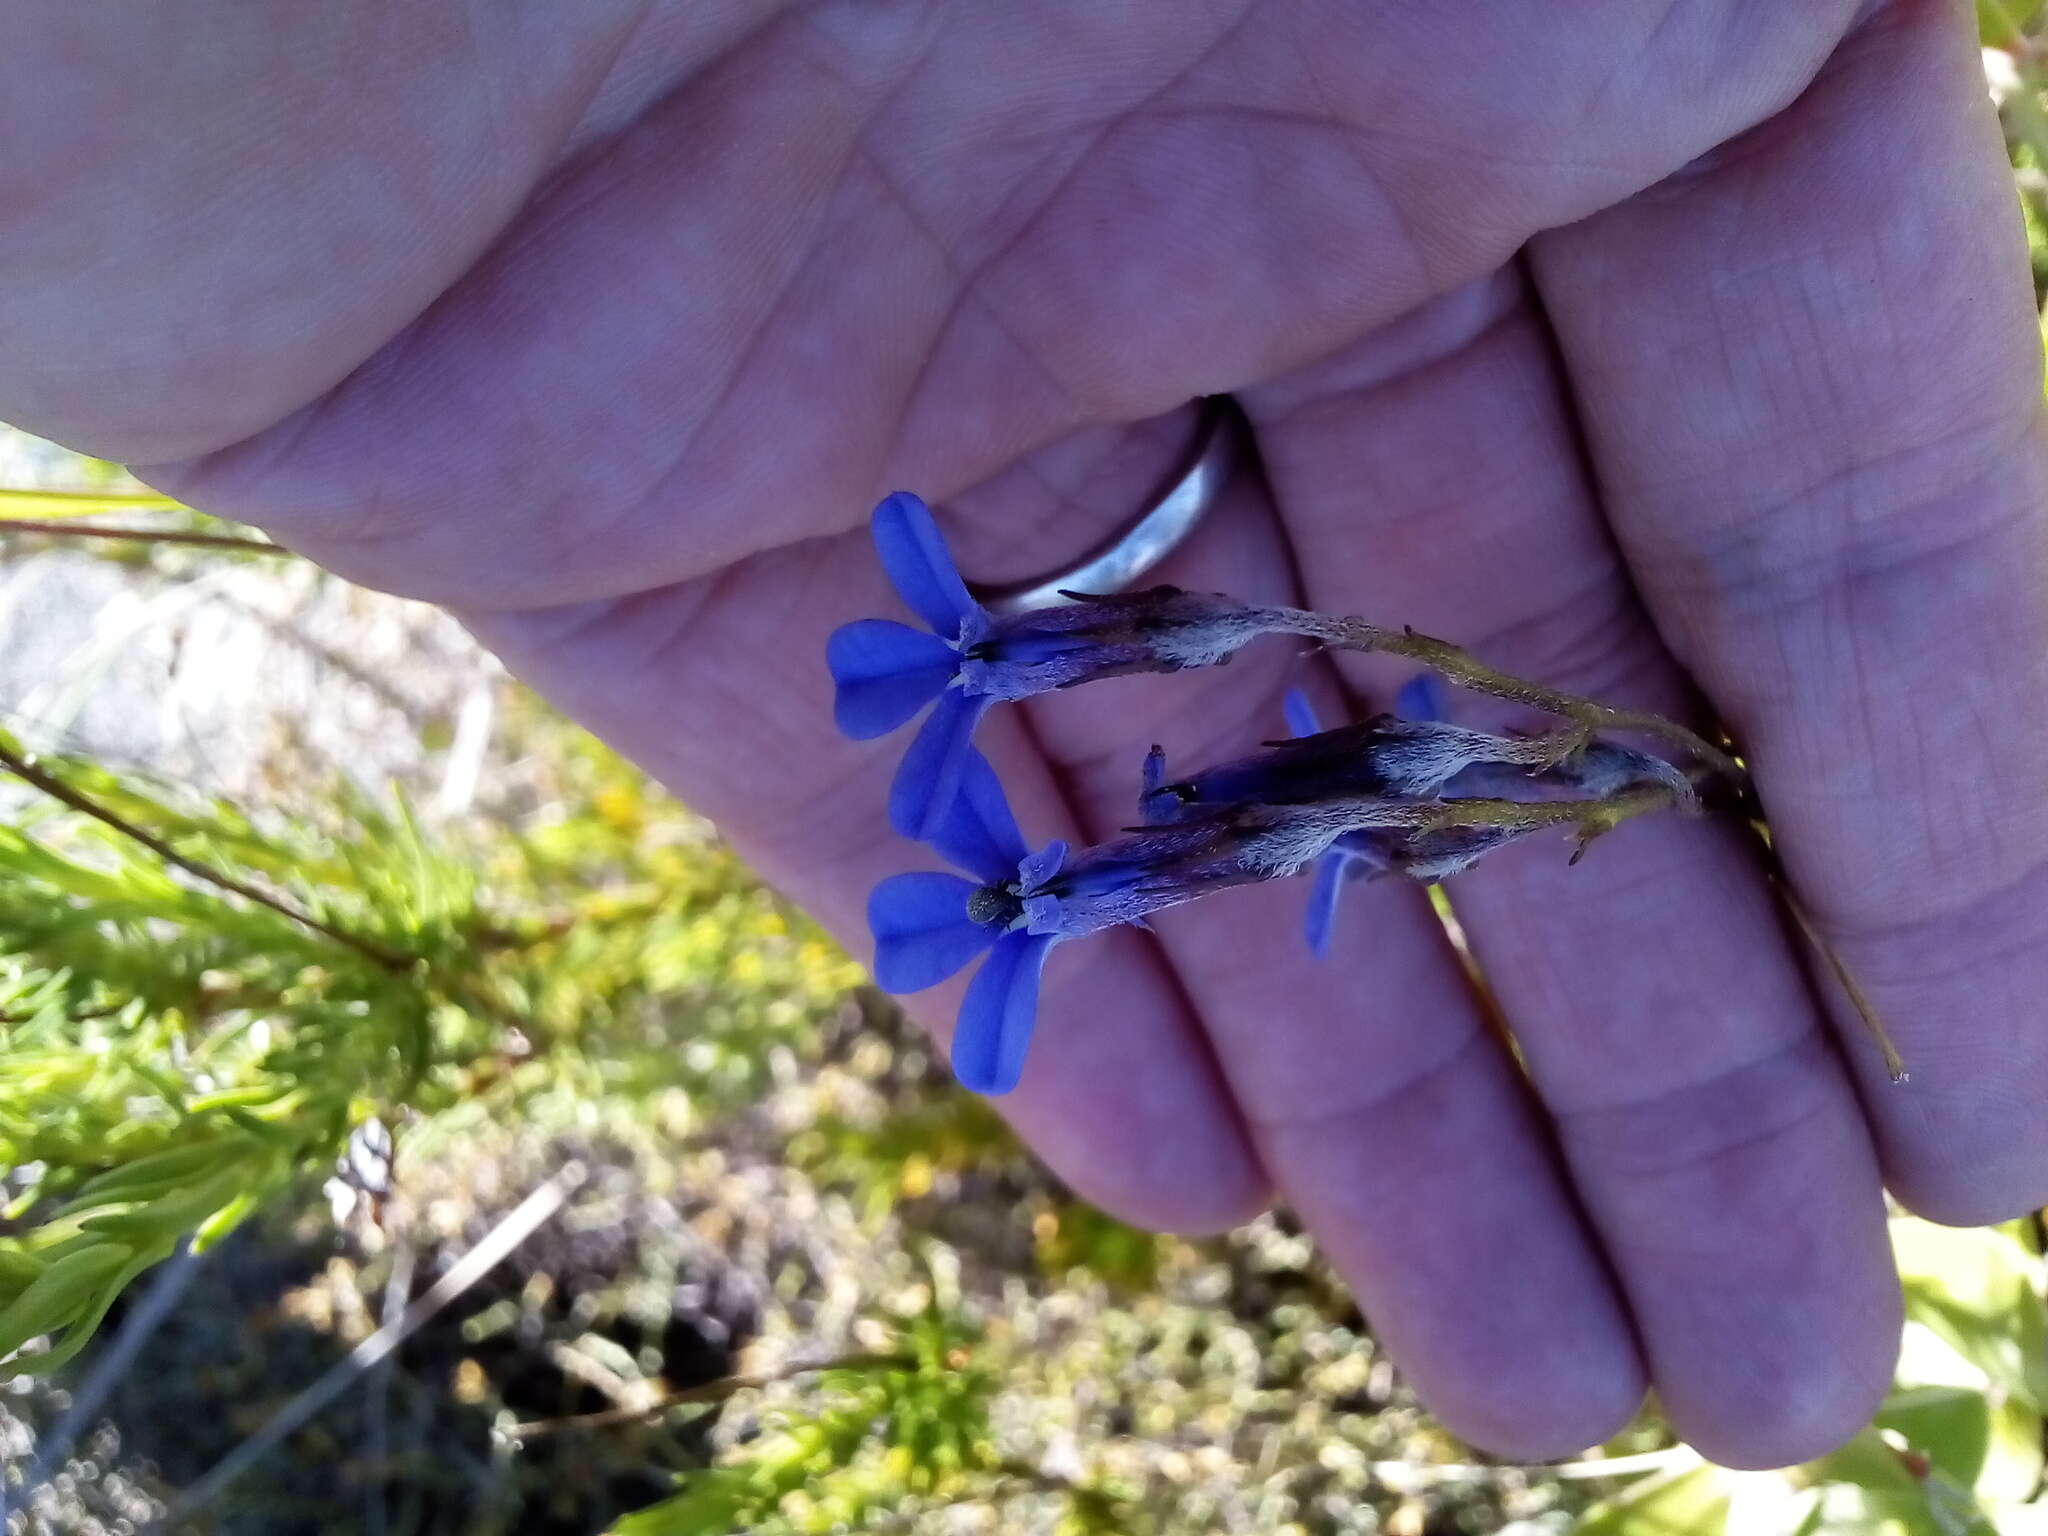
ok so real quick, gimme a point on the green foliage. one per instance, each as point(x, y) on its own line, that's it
point(660, 961)
point(196, 1010)
point(173, 1052)
point(1957, 1447)
point(1669, 1504)
point(1980, 1291)
point(2005, 23)
point(1076, 1236)
point(874, 1443)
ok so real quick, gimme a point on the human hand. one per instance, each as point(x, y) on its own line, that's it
point(607, 324)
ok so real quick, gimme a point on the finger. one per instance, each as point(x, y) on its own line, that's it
point(713, 332)
point(1811, 383)
point(721, 691)
point(1386, 1112)
point(1712, 1138)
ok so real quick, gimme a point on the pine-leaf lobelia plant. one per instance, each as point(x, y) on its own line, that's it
point(1407, 793)
point(193, 1011)
point(199, 1007)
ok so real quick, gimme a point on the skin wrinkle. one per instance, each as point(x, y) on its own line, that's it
point(896, 31)
point(1768, 562)
point(1405, 347)
point(1878, 945)
point(1045, 511)
point(1599, 616)
point(1430, 277)
point(1651, 1215)
point(220, 357)
point(1550, 1387)
point(1064, 503)
point(1586, 1056)
point(720, 399)
point(496, 148)
point(366, 534)
point(970, 282)
point(648, 504)
point(1634, 1136)
point(862, 155)
point(671, 45)
point(984, 229)
point(965, 297)
point(1596, 635)
point(1993, 855)
point(1369, 1098)
point(661, 483)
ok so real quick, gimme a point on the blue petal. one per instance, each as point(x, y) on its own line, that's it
point(929, 776)
point(885, 673)
point(1322, 902)
point(977, 831)
point(915, 558)
point(922, 931)
point(1042, 865)
point(1421, 698)
point(1155, 809)
point(1042, 910)
point(996, 1017)
point(1301, 715)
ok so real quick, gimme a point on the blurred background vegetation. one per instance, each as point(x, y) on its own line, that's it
point(412, 1121)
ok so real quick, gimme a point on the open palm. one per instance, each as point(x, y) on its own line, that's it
point(1654, 350)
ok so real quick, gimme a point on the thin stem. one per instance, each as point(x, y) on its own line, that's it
point(1405, 1475)
point(708, 1392)
point(79, 1016)
point(30, 772)
point(1593, 818)
point(377, 1399)
point(1866, 1010)
point(64, 530)
point(1039, 1480)
point(1353, 634)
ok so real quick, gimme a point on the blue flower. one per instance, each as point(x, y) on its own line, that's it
point(927, 926)
point(1421, 698)
point(1354, 856)
point(969, 658)
point(884, 672)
